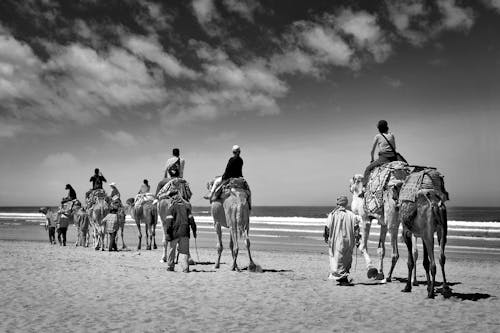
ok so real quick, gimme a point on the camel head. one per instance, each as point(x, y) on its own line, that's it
point(356, 183)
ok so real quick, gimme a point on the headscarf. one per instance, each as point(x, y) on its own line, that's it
point(342, 201)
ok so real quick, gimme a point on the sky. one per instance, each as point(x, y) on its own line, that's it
point(299, 85)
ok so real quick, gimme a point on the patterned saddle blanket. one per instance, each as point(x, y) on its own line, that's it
point(381, 177)
point(94, 195)
point(142, 198)
point(426, 179)
point(176, 186)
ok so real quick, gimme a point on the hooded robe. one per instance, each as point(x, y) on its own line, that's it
point(341, 241)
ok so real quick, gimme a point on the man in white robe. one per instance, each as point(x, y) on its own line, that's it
point(341, 227)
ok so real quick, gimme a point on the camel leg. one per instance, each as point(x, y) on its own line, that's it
point(153, 236)
point(251, 266)
point(233, 245)
point(395, 250)
point(218, 230)
point(442, 234)
point(411, 263)
point(381, 251)
point(363, 246)
point(429, 261)
point(148, 236)
point(415, 258)
point(139, 234)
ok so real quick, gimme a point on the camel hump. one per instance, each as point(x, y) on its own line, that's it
point(426, 179)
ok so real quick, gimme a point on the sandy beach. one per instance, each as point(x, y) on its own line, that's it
point(48, 288)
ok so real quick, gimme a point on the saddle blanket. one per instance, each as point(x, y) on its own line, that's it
point(111, 223)
point(427, 179)
point(142, 198)
point(379, 178)
point(176, 185)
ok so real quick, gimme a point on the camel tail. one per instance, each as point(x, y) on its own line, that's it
point(238, 220)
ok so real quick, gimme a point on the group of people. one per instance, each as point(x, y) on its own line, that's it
point(179, 219)
point(342, 225)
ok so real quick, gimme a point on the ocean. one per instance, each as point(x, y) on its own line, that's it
point(469, 214)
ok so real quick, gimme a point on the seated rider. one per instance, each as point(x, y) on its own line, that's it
point(71, 194)
point(386, 144)
point(97, 179)
point(174, 168)
point(234, 169)
point(115, 194)
point(145, 188)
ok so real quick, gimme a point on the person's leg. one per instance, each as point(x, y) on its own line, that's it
point(184, 253)
point(110, 246)
point(59, 232)
point(171, 247)
point(64, 230)
point(52, 235)
point(215, 185)
point(378, 162)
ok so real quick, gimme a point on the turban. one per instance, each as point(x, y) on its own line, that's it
point(342, 201)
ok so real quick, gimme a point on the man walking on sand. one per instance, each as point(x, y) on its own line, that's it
point(340, 234)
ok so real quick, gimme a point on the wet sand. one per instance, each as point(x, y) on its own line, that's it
point(51, 288)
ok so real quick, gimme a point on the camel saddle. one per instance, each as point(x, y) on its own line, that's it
point(380, 177)
point(174, 186)
point(423, 179)
point(94, 195)
point(224, 189)
point(142, 198)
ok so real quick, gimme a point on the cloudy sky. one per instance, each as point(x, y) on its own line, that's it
point(299, 85)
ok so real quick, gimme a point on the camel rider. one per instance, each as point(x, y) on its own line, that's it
point(145, 188)
point(340, 235)
point(386, 144)
point(97, 179)
point(71, 194)
point(234, 169)
point(115, 194)
point(174, 168)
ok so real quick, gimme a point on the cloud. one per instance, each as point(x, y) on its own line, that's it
point(9, 130)
point(494, 4)
point(150, 49)
point(366, 32)
point(455, 17)
point(395, 83)
point(120, 137)
point(65, 160)
point(245, 8)
point(324, 42)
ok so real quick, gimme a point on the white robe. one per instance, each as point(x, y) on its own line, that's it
point(341, 242)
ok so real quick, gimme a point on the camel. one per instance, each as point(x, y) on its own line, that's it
point(388, 221)
point(232, 211)
point(97, 212)
point(147, 213)
point(422, 219)
point(82, 222)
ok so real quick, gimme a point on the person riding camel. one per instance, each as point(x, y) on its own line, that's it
point(386, 144)
point(174, 168)
point(234, 169)
point(71, 194)
point(145, 188)
point(115, 194)
point(97, 179)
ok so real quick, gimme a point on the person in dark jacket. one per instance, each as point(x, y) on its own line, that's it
point(176, 232)
point(97, 179)
point(71, 194)
point(234, 169)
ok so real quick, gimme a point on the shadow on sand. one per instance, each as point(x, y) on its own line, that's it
point(207, 263)
point(464, 296)
point(424, 282)
point(264, 270)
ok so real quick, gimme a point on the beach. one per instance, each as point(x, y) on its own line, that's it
point(53, 288)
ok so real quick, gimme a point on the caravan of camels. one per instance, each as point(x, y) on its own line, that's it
point(391, 192)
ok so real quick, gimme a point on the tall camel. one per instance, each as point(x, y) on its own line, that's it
point(232, 211)
point(422, 219)
point(387, 218)
point(97, 213)
point(146, 213)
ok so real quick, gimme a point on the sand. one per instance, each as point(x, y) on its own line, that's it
point(48, 288)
